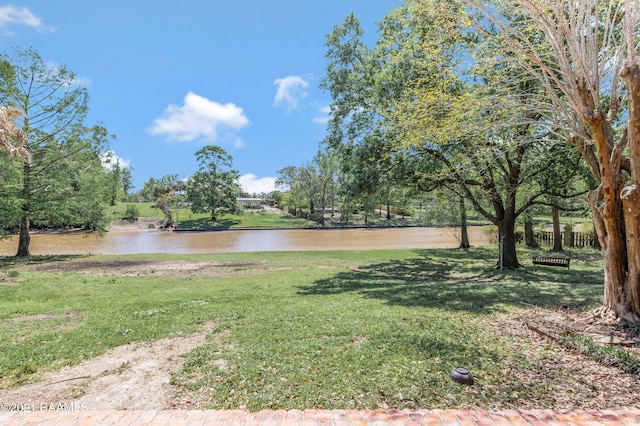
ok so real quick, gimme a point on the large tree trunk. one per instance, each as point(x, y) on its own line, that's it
point(25, 238)
point(366, 210)
point(529, 236)
point(631, 203)
point(464, 235)
point(616, 209)
point(507, 237)
point(164, 207)
point(323, 205)
point(557, 233)
point(608, 216)
point(630, 197)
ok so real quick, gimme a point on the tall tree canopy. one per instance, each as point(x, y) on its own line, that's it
point(214, 188)
point(63, 182)
point(120, 178)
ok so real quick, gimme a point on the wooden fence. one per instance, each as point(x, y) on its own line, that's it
point(572, 239)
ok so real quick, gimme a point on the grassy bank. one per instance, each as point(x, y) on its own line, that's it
point(186, 219)
point(297, 330)
point(246, 220)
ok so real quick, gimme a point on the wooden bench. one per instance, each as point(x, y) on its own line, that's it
point(551, 261)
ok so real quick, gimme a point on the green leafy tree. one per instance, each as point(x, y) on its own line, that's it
point(214, 188)
point(327, 164)
point(63, 183)
point(120, 179)
point(131, 213)
point(418, 95)
point(288, 181)
point(127, 181)
point(276, 196)
point(311, 186)
point(163, 192)
point(115, 183)
point(364, 85)
point(146, 194)
point(301, 185)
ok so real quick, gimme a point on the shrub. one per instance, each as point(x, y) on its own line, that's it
point(131, 213)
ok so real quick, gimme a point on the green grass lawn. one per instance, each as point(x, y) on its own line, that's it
point(296, 330)
point(145, 209)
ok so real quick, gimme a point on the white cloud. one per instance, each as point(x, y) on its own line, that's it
point(251, 184)
point(10, 15)
point(198, 117)
point(109, 160)
point(290, 91)
point(325, 117)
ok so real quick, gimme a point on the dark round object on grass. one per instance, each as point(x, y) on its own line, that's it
point(462, 375)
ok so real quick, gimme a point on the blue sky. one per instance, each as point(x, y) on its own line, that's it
point(168, 77)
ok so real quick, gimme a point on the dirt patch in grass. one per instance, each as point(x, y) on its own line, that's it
point(129, 377)
point(91, 266)
point(129, 268)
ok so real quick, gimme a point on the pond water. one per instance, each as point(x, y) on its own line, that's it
point(154, 241)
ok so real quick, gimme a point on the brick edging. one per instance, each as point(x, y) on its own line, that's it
point(324, 417)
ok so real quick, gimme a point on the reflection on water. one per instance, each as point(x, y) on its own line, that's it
point(153, 241)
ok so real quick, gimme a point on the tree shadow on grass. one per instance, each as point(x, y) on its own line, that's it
point(464, 281)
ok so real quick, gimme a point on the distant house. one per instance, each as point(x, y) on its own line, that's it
point(250, 203)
